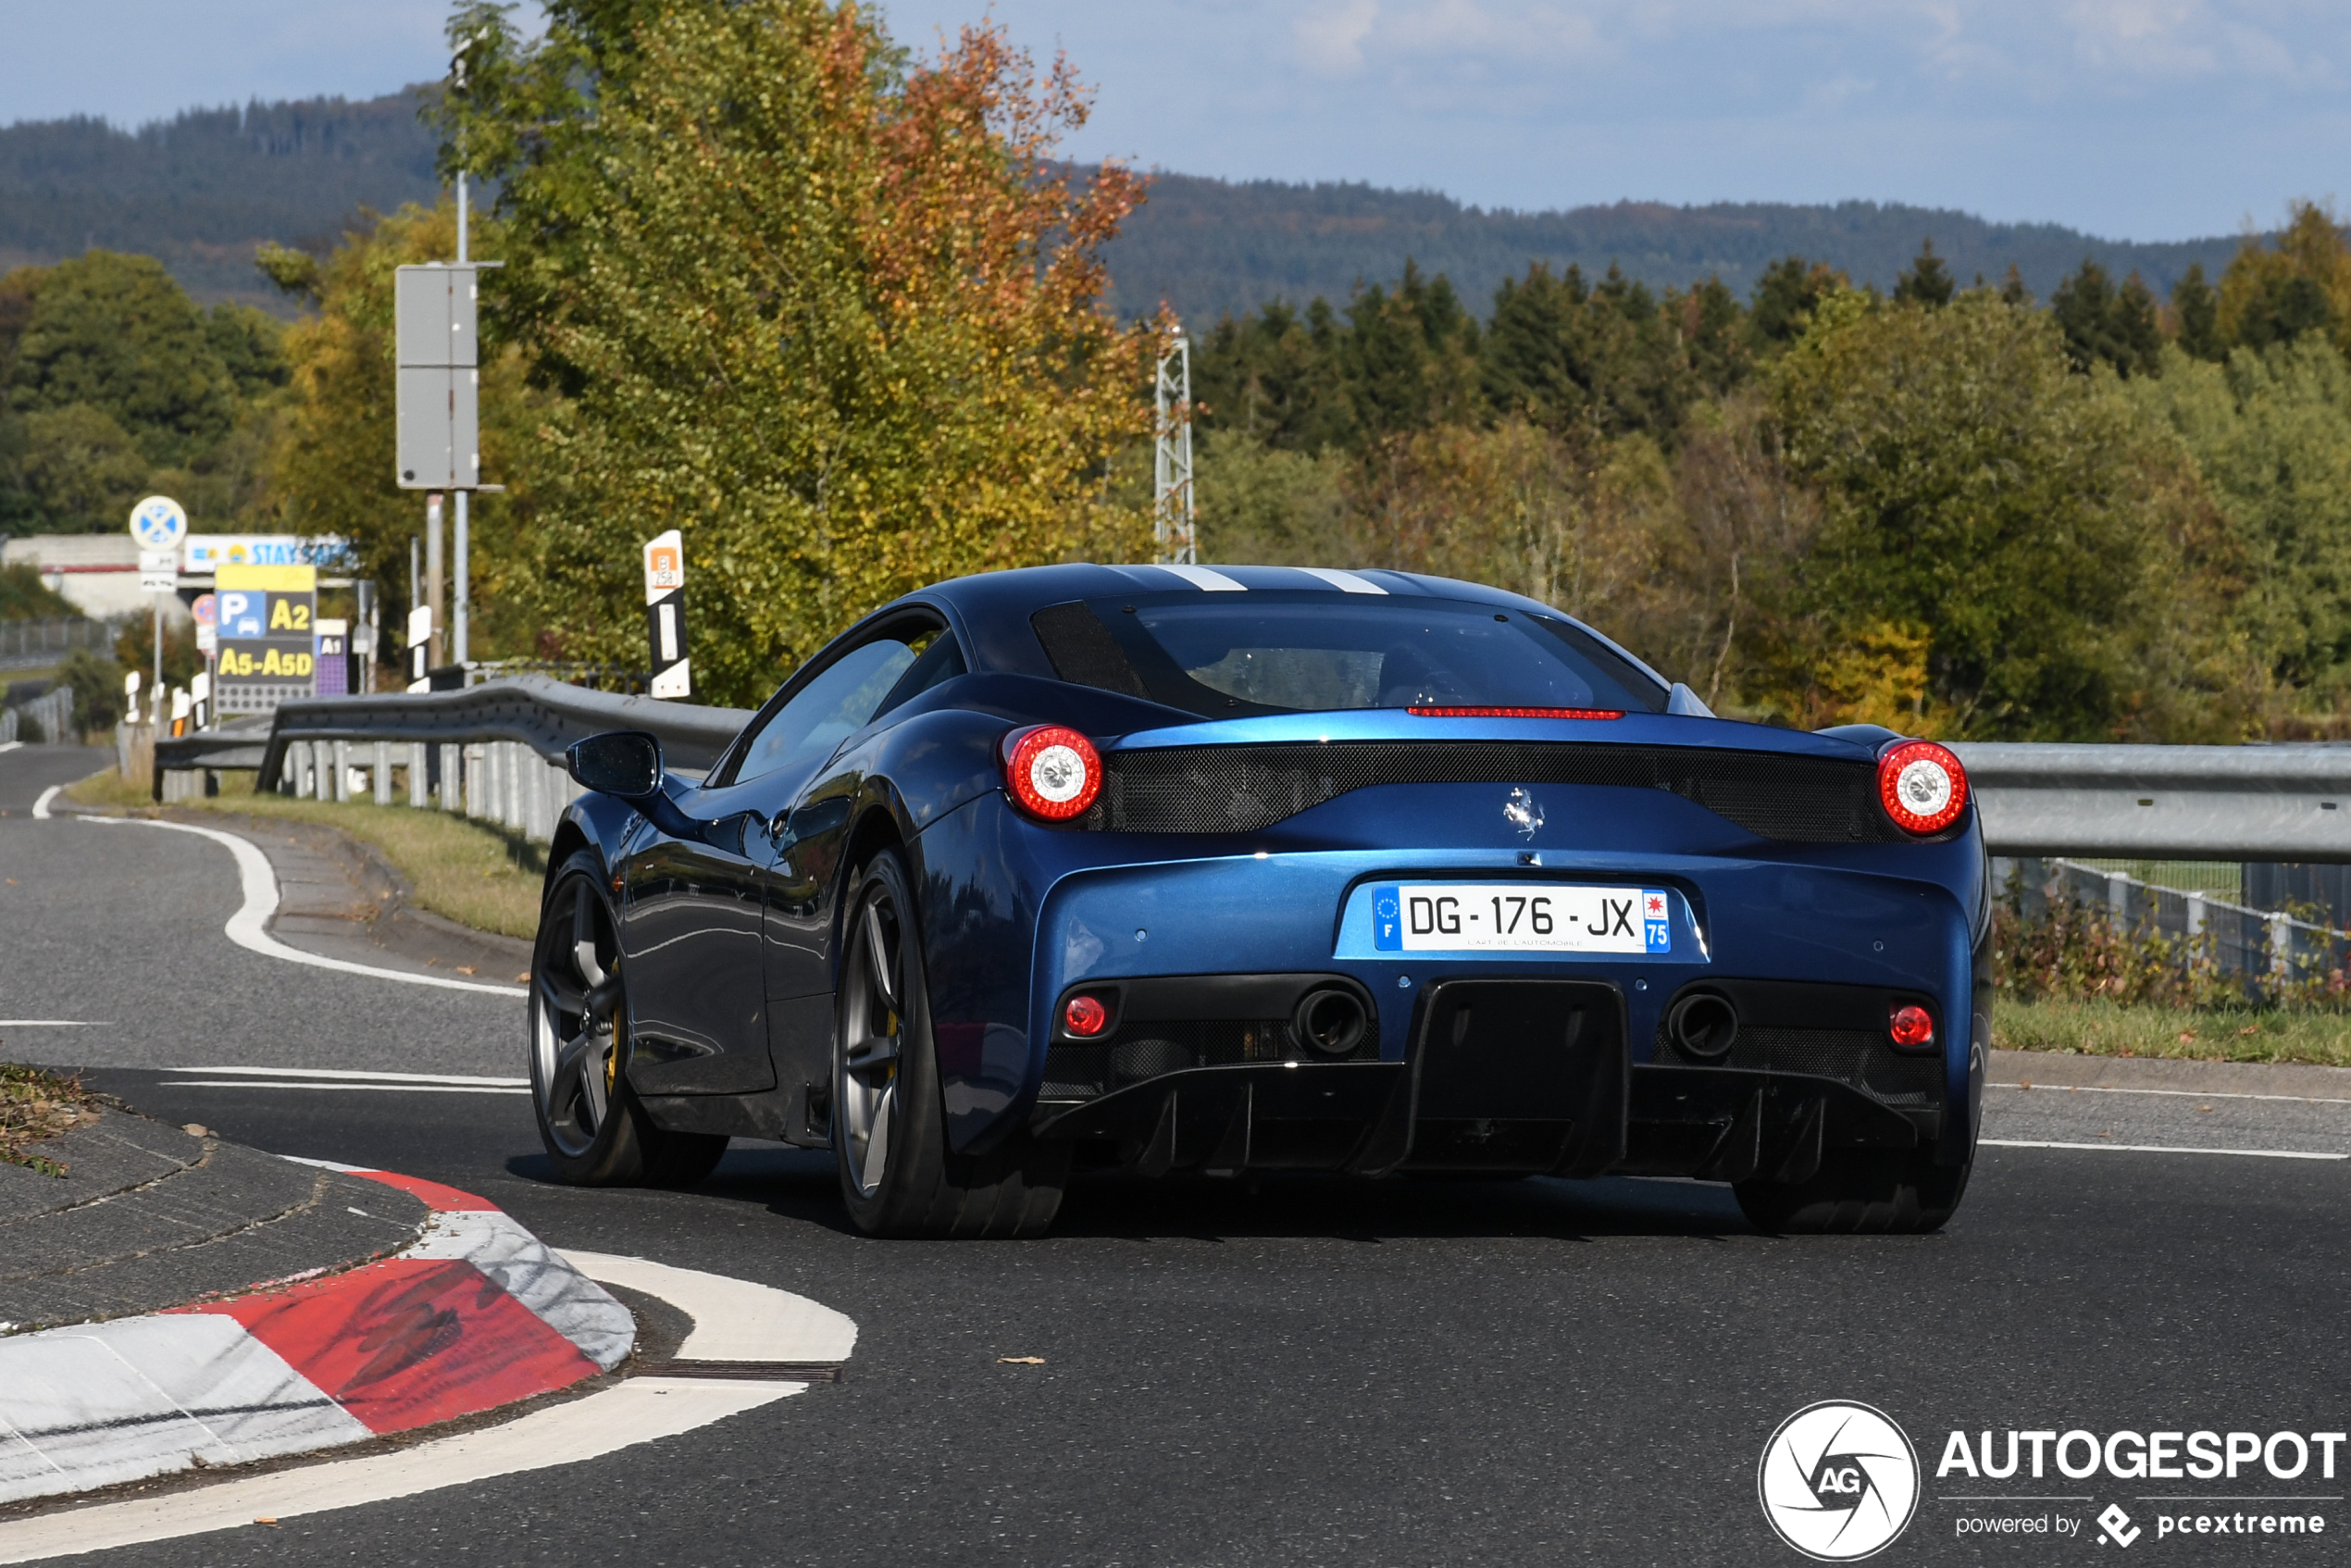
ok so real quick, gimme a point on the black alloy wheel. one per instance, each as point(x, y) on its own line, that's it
point(596, 1131)
point(898, 1176)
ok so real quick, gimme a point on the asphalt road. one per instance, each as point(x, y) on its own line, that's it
point(1306, 1372)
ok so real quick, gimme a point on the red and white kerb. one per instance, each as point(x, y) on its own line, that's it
point(1053, 772)
point(1921, 786)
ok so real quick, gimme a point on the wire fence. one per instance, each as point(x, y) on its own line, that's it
point(36, 644)
point(2261, 949)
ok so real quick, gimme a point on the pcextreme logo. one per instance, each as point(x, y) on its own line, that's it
point(1839, 1481)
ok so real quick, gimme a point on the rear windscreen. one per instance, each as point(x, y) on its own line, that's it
point(1319, 651)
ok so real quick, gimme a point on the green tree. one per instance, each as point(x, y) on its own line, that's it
point(2197, 309)
point(2270, 433)
point(2274, 294)
point(1713, 333)
point(1409, 356)
point(1606, 359)
point(81, 471)
point(2048, 541)
point(833, 315)
point(2103, 324)
point(1785, 298)
point(116, 334)
point(1273, 377)
point(1928, 283)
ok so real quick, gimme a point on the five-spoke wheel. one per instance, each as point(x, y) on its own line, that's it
point(594, 1131)
point(898, 1174)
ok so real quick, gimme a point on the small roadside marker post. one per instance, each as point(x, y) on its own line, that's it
point(666, 615)
point(419, 648)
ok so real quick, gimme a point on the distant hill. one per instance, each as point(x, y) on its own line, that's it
point(201, 190)
point(1211, 246)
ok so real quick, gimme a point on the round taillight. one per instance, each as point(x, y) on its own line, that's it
point(1911, 1025)
point(1921, 786)
point(1053, 772)
point(1085, 1015)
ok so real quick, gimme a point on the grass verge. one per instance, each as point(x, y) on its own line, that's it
point(35, 1107)
point(474, 873)
point(2103, 1028)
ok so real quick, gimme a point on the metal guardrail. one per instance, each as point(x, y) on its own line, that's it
point(2289, 802)
point(530, 710)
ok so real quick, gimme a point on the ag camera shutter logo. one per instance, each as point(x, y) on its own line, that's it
point(1839, 1481)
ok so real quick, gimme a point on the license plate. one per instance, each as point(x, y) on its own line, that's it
point(1519, 917)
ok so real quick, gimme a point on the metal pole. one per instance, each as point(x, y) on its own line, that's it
point(459, 641)
point(432, 579)
point(158, 643)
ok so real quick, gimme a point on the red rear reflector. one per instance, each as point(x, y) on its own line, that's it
point(1085, 1015)
point(1911, 1025)
point(1518, 713)
point(1921, 786)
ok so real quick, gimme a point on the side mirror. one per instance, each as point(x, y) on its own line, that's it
point(624, 763)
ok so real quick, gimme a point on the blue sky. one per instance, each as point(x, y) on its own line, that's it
point(2131, 118)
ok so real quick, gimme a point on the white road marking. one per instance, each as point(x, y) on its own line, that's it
point(9, 745)
point(2177, 1093)
point(636, 1411)
point(357, 1075)
point(1204, 579)
point(52, 1023)
point(248, 927)
point(734, 1320)
point(356, 1088)
point(1346, 582)
point(40, 806)
point(2162, 1149)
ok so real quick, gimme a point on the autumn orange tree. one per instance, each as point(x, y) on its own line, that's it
point(832, 311)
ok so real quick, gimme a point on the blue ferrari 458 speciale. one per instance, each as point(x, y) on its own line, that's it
point(1250, 869)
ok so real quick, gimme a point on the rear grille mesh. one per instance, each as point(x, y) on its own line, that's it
point(1859, 1057)
point(1242, 789)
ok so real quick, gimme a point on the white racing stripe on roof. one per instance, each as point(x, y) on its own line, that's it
point(1204, 579)
point(1346, 582)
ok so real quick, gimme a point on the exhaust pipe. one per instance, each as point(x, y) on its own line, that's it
point(1702, 1026)
point(1330, 1022)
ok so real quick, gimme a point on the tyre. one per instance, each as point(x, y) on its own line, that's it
point(595, 1132)
point(889, 1124)
point(1860, 1193)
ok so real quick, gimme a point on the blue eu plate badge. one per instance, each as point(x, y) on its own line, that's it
point(1520, 918)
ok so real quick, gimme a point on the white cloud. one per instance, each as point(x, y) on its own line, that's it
point(1330, 37)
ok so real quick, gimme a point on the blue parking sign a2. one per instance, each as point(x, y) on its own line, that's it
point(243, 612)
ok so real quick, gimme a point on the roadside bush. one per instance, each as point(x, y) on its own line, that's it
point(97, 689)
point(2066, 949)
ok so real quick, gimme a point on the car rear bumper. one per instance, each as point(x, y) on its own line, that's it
point(1502, 1076)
